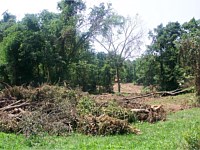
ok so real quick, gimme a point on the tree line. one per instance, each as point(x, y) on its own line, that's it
point(173, 57)
point(56, 48)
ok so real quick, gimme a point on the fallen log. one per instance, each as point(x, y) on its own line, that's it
point(173, 93)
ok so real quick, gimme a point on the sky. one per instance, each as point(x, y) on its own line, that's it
point(152, 12)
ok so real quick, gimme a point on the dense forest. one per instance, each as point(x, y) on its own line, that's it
point(57, 48)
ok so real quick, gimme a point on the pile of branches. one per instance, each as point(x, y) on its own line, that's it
point(57, 110)
point(132, 111)
point(144, 112)
point(34, 110)
point(104, 125)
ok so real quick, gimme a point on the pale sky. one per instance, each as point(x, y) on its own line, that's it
point(152, 12)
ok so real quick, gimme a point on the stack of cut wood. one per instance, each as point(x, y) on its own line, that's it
point(150, 114)
point(146, 112)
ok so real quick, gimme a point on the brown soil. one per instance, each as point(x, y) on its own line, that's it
point(129, 90)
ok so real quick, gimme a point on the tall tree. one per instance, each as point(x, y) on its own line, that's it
point(77, 31)
point(120, 37)
point(189, 46)
point(163, 46)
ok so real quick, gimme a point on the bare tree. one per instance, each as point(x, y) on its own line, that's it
point(121, 38)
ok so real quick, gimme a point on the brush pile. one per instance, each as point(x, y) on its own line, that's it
point(104, 125)
point(58, 110)
point(32, 110)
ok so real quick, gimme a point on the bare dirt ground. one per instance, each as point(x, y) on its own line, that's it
point(130, 92)
point(128, 88)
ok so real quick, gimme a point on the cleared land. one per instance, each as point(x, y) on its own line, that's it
point(182, 119)
point(161, 135)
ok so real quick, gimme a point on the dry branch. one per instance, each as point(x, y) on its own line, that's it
point(10, 107)
point(5, 84)
point(140, 110)
point(162, 93)
point(173, 93)
point(142, 96)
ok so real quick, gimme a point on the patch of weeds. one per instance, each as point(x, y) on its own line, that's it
point(34, 140)
point(146, 90)
point(192, 138)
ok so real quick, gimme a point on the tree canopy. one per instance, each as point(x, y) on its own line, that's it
point(58, 48)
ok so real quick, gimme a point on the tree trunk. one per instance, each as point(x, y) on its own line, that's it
point(197, 79)
point(162, 70)
point(118, 79)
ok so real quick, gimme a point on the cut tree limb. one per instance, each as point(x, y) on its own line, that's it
point(173, 93)
point(162, 93)
point(142, 96)
point(5, 84)
point(140, 110)
point(10, 107)
point(155, 108)
point(17, 102)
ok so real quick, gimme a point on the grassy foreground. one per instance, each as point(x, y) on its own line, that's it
point(162, 135)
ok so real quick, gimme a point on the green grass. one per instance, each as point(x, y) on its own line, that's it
point(162, 135)
point(184, 99)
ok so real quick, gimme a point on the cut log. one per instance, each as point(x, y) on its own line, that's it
point(140, 110)
point(155, 108)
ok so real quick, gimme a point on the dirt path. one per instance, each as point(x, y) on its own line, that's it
point(128, 88)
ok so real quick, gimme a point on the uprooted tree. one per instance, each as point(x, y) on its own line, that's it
point(121, 37)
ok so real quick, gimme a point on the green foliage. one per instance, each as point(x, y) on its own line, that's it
point(166, 53)
point(165, 62)
point(56, 48)
point(86, 106)
point(190, 48)
point(146, 70)
point(115, 111)
point(192, 137)
point(50, 47)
